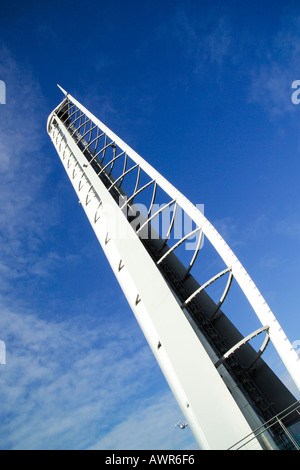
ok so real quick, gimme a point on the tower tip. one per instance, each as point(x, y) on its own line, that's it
point(61, 89)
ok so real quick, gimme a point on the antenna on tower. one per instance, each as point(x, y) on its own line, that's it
point(61, 89)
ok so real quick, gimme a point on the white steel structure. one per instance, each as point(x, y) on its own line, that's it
point(222, 385)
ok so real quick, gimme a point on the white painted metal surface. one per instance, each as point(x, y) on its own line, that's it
point(214, 416)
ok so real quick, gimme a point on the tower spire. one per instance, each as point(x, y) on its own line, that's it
point(222, 384)
point(61, 89)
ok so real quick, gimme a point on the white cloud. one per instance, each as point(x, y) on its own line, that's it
point(153, 424)
point(29, 208)
point(80, 381)
point(205, 41)
point(22, 163)
point(68, 382)
point(276, 68)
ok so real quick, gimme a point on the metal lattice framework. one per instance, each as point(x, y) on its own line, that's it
point(131, 181)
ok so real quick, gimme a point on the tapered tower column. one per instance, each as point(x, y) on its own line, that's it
point(222, 385)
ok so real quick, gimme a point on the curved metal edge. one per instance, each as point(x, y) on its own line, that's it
point(243, 342)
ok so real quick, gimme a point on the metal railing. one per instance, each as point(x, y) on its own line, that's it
point(277, 429)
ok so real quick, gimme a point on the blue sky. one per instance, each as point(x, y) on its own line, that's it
point(202, 90)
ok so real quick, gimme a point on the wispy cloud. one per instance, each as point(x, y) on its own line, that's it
point(155, 418)
point(80, 382)
point(71, 378)
point(205, 41)
point(264, 70)
point(289, 226)
point(28, 206)
point(276, 68)
point(22, 167)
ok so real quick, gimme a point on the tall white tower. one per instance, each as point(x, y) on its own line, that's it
point(223, 386)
